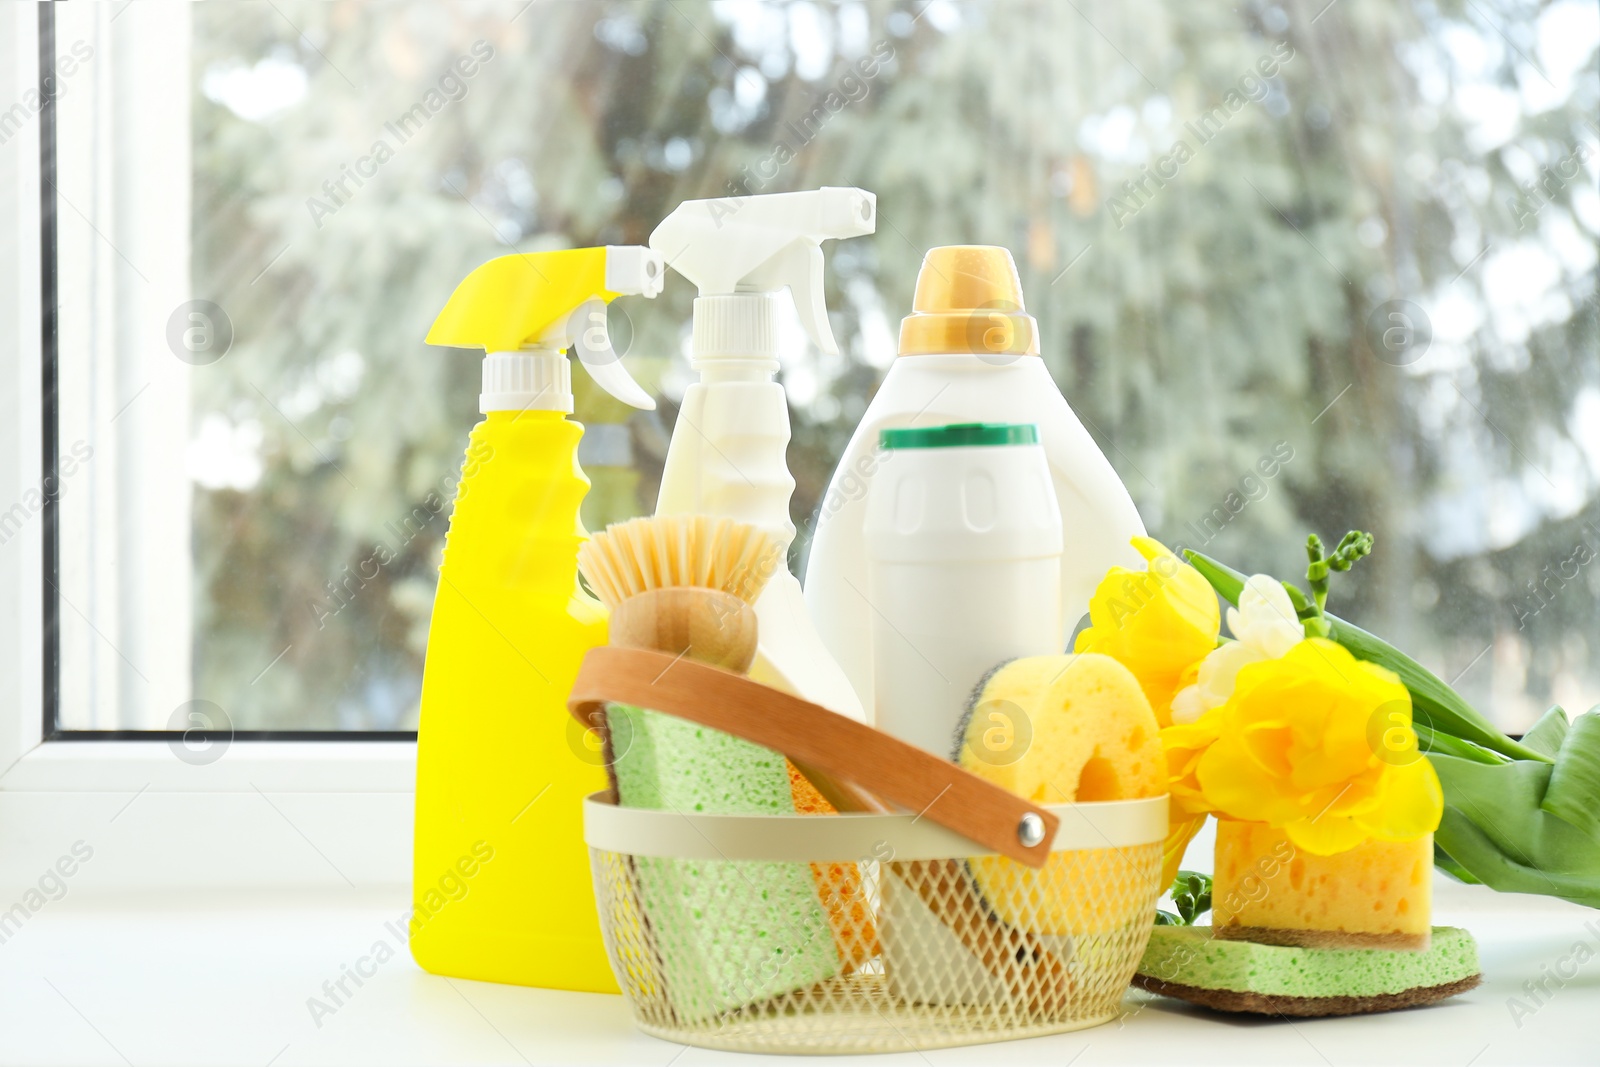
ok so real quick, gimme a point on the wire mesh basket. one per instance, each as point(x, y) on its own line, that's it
point(867, 932)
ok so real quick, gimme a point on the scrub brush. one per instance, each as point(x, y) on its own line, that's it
point(684, 585)
point(651, 555)
point(703, 551)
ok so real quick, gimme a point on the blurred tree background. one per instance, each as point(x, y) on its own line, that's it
point(1199, 305)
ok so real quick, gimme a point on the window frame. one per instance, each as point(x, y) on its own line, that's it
point(54, 782)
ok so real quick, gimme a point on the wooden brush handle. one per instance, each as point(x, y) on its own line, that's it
point(718, 628)
point(811, 736)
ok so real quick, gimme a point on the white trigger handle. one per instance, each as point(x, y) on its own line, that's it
point(800, 267)
point(589, 336)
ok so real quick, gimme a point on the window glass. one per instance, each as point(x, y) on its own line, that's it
point(1296, 271)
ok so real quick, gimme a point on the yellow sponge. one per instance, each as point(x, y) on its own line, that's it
point(1058, 729)
point(1376, 895)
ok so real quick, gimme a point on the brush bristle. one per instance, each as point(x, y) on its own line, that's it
point(638, 555)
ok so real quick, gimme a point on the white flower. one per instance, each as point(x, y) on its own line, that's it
point(1264, 626)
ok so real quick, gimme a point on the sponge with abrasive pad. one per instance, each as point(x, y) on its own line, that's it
point(1056, 730)
point(1186, 962)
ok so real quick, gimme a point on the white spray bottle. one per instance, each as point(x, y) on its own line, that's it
point(728, 454)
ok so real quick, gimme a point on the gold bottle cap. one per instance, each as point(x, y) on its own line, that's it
point(969, 299)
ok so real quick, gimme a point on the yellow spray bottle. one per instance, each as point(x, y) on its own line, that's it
point(501, 887)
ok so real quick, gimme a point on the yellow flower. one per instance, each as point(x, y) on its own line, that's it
point(1183, 745)
point(1180, 831)
point(1159, 623)
point(1264, 626)
point(1316, 743)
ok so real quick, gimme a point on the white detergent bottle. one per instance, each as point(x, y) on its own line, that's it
point(963, 570)
point(728, 454)
point(963, 540)
point(969, 352)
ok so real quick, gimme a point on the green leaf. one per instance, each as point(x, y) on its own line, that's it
point(1547, 733)
point(1447, 864)
point(1574, 792)
point(1223, 578)
point(1433, 703)
point(1430, 740)
point(1495, 828)
point(1166, 918)
point(1191, 893)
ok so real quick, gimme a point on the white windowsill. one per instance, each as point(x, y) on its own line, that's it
point(244, 766)
point(226, 981)
point(267, 815)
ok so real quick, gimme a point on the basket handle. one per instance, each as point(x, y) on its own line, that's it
point(812, 736)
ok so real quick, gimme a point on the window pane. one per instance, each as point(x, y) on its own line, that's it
point(1365, 241)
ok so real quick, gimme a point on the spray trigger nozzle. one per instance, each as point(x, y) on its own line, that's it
point(741, 245)
point(525, 310)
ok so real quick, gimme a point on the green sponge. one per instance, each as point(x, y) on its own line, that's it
point(1187, 963)
point(728, 933)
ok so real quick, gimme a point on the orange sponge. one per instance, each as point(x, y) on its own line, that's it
point(839, 886)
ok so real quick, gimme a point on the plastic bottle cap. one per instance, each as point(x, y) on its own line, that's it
point(969, 299)
point(960, 435)
point(532, 379)
point(737, 325)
